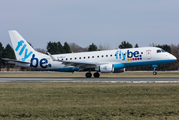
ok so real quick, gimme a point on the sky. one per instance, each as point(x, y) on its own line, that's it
point(105, 22)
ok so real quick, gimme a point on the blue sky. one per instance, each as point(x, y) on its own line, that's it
point(94, 21)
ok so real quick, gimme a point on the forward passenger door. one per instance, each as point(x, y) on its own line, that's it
point(148, 54)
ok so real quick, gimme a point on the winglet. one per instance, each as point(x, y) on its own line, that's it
point(51, 56)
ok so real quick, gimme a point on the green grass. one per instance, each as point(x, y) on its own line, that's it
point(89, 101)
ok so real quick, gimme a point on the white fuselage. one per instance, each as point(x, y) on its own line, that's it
point(120, 58)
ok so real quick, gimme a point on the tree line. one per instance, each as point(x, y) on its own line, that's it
point(58, 48)
point(6, 52)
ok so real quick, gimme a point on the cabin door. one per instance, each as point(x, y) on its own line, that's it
point(148, 54)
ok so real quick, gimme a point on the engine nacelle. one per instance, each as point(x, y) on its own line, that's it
point(106, 68)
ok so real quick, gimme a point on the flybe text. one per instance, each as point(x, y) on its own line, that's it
point(129, 55)
point(34, 62)
point(43, 62)
point(23, 50)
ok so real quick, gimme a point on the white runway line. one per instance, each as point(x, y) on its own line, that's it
point(91, 80)
point(30, 79)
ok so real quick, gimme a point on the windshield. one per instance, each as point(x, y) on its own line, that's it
point(163, 51)
point(159, 51)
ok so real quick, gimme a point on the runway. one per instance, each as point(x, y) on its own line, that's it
point(100, 80)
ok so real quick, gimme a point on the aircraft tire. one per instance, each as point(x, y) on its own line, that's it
point(96, 75)
point(88, 75)
point(154, 73)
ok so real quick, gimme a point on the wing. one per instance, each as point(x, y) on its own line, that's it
point(80, 64)
point(77, 64)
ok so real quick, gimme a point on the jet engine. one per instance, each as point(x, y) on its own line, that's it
point(106, 68)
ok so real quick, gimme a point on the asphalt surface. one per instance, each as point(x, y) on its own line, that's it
point(105, 80)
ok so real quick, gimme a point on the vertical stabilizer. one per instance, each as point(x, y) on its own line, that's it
point(22, 49)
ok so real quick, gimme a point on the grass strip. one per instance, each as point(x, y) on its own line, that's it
point(89, 101)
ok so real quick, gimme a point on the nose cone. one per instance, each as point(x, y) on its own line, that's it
point(172, 58)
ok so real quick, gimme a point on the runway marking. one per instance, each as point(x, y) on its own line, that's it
point(90, 80)
point(32, 79)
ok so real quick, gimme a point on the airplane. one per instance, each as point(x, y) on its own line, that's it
point(99, 61)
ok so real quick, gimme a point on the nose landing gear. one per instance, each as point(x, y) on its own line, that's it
point(154, 66)
point(154, 73)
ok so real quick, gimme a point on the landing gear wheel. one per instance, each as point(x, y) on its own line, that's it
point(88, 75)
point(96, 75)
point(154, 73)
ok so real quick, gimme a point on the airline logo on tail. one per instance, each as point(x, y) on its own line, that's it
point(131, 56)
point(34, 61)
point(23, 50)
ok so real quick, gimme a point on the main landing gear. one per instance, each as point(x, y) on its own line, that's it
point(88, 75)
point(96, 75)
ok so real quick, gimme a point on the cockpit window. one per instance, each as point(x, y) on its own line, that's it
point(163, 51)
point(158, 51)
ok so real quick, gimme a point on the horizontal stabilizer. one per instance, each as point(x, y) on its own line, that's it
point(14, 61)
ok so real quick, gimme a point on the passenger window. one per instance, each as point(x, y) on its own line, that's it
point(92, 56)
point(119, 54)
point(97, 56)
point(70, 58)
point(79, 57)
point(106, 55)
point(66, 58)
point(158, 51)
point(84, 57)
point(75, 58)
point(102, 56)
point(62, 59)
point(111, 55)
point(88, 56)
point(141, 52)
